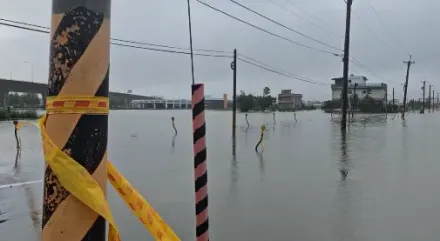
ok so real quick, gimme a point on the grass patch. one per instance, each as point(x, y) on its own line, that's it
point(18, 114)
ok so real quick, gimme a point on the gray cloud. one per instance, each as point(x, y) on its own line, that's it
point(412, 29)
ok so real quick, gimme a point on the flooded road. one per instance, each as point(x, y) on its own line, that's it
point(378, 182)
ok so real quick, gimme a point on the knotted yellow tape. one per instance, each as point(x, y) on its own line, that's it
point(78, 181)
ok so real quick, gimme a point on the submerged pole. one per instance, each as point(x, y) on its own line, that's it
point(79, 67)
point(174, 126)
point(16, 127)
point(234, 93)
point(200, 163)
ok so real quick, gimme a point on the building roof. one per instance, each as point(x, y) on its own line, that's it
point(341, 78)
point(366, 86)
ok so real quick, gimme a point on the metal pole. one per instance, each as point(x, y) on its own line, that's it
point(191, 42)
point(79, 66)
point(346, 66)
point(234, 94)
point(433, 98)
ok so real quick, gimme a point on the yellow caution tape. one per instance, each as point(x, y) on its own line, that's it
point(84, 187)
point(140, 207)
point(77, 180)
point(77, 105)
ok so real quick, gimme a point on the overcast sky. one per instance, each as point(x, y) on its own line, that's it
point(411, 28)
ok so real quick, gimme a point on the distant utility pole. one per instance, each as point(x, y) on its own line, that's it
point(234, 93)
point(355, 101)
point(429, 98)
point(346, 62)
point(393, 98)
point(406, 84)
point(386, 103)
point(413, 105)
point(433, 100)
point(423, 101)
point(438, 99)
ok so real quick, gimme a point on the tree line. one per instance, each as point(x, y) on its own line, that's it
point(23, 100)
point(249, 102)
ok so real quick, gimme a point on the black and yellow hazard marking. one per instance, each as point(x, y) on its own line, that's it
point(79, 65)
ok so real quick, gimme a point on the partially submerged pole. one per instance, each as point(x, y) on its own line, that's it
point(234, 93)
point(16, 127)
point(174, 126)
point(79, 69)
point(200, 162)
point(262, 128)
point(346, 60)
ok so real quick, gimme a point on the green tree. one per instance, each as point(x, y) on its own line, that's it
point(266, 91)
point(245, 101)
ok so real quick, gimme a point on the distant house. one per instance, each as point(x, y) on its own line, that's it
point(289, 100)
point(359, 84)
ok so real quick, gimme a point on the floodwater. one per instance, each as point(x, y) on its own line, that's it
point(378, 182)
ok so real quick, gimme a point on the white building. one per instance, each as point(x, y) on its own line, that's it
point(359, 84)
point(287, 99)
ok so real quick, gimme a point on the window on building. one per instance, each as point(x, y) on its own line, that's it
point(349, 81)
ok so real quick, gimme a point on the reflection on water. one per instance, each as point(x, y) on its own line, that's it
point(312, 182)
point(34, 212)
point(344, 168)
point(234, 173)
point(173, 142)
point(261, 162)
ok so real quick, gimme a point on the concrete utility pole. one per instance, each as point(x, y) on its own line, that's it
point(234, 93)
point(406, 84)
point(393, 99)
point(429, 98)
point(386, 103)
point(433, 100)
point(346, 66)
point(79, 63)
point(438, 99)
point(423, 101)
point(355, 101)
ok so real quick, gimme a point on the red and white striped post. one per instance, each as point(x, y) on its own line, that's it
point(200, 163)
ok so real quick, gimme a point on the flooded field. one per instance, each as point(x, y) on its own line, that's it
point(379, 182)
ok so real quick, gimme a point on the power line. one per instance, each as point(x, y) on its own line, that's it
point(266, 31)
point(287, 74)
point(25, 28)
point(258, 63)
point(132, 46)
point(383, 22)
point(284, 26)
point(171, 51)
point(115, 39)
point(301, 17)
point(271, 67)
point(362, 66)
point(304, 11)
point(375, 35)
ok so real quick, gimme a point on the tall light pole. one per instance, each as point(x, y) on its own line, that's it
point(32, 70)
